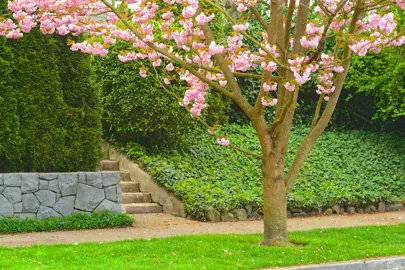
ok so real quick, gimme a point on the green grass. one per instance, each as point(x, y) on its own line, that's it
point(212, 251)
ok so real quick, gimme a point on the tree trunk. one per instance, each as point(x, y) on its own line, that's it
point(274, 201)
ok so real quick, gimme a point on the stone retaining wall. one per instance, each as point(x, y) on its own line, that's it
point(41, 195)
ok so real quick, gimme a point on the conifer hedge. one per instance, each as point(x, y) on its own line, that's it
point(50, 116)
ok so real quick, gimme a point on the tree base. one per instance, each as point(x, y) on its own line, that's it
point(277, 243)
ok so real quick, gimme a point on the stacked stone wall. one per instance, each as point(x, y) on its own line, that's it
point(41, 195)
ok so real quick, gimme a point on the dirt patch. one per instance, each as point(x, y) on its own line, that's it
point(162, 225)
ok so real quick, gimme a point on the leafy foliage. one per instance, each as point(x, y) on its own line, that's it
point(96, 220)
point(49, 109)
point(349, 167)
point(139, 109)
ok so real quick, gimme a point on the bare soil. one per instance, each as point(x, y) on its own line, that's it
point(162, 225)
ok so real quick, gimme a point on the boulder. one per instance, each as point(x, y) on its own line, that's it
point(30, 183)
point(351, 209)
point(240, 214)
point(336, 208)
point(213, 215)
point(369, 208)
point(328, 211)
point(394, 207)
point(88, 197)
point(381, 207)
point(228, 217)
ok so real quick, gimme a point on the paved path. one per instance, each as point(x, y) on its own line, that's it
point(162, 225)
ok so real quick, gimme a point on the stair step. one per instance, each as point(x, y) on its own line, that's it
point(137, 197)
point(109, 165)
point(142, 208)
point(125, 176)
point(130, 187)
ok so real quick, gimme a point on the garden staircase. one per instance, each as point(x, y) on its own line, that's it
point(134, 201)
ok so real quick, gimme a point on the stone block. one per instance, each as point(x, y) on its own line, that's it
point(6, 207)
point(54, 186)
point(30, 183)
point(82, 178)
point(351, 209)
point(227, 217)
point(389, 207)
point(213, 215)
point(65, 205)
point(12, 180)
point(328, 211)
point(13, 194)
point(110, 178)
point(2, 188)
point(48, 176)
point(94, 179)
point(18, 208)
point(381, 207)
point(88, 197)
point(369, 208)
point(43, 184)
point(109, 206)
point(336, 208)
point(1, 180)
point(111, 193)
point(68, 184)
point(46, 197)
point(30, 203)
point(45, 212)
point(26, 215)
point(240, 214)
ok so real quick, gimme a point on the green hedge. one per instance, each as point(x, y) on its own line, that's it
point(50, 117)
point(139, 109)
point(354, 168)
point(96, 220)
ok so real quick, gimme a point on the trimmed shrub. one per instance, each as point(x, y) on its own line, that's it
point(96, 220)
point(50, 116)
point(352, 167)
point(139, 109)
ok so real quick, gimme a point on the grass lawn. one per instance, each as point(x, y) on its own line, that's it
point(212, 251)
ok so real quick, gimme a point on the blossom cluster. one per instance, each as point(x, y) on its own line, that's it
point(171, 34)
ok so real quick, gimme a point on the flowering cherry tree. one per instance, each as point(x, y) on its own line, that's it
point(177, 37)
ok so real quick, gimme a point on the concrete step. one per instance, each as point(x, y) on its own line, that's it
point(142, 208)
point(125, 176)
point(109, 165)
point(129, 187)
point(137, 197)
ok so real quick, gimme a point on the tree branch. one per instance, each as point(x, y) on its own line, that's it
point(318, 129)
